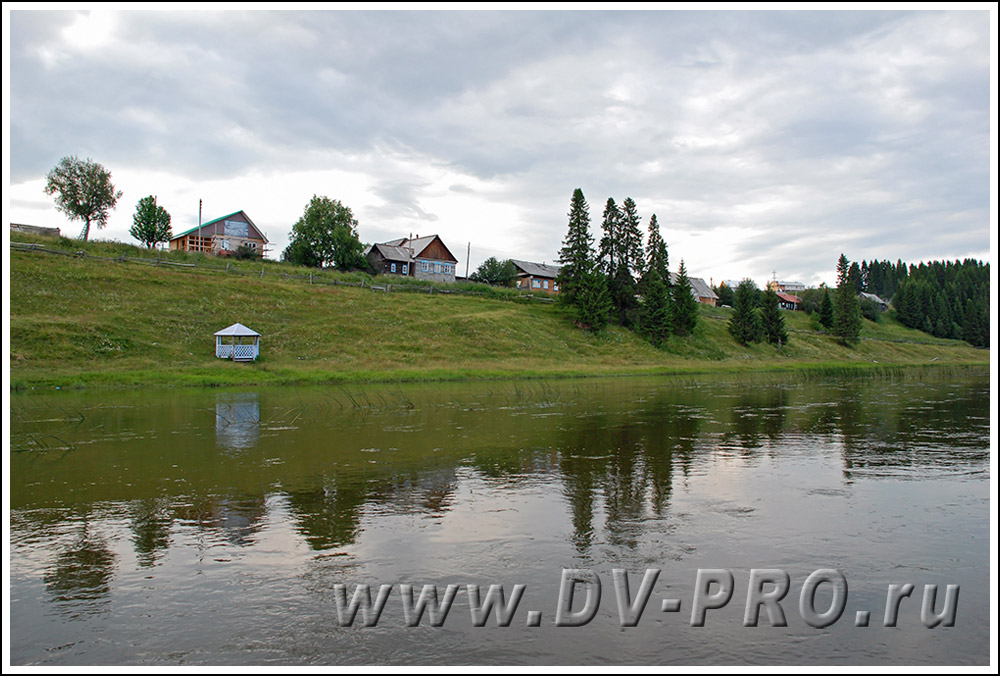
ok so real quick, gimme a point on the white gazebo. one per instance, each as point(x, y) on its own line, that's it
point(238, 343)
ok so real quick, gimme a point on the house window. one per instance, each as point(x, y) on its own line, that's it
point(437, 268)
point(392, 267)
point(545, 284)
point(404, 268)
point(535, 284)
point(423, 266)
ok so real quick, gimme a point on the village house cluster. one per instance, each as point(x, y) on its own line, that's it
point(426, 257)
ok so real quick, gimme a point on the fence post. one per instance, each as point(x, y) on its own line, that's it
point(310, 277)
point(262, 272)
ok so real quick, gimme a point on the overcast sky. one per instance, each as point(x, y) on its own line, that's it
point(765, 142)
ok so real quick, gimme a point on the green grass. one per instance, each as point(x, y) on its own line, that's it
point(85, 322)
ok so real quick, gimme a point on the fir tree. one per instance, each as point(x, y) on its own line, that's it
point(772, 321)
point(685, 307)
point(744, 324)
point(846, 308)
point(826, 310)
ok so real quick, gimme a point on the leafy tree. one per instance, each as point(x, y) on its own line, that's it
point(771, 319)
point(495, 272)
point(246, 253)
point(846, 309)
point(685, 307)
point(83, 191)
point(725, 294)
point(325, 235)
point(744, 324)
point(826, 310)
point(150, 223)
point(576, 255)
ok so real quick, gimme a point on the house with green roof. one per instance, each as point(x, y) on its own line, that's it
point(222, 237)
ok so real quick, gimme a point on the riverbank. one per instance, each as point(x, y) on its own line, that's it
point(79, 322)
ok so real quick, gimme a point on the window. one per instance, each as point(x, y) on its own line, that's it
point(404, 268)
point(535, 284)
point(423, 266)
point(437, 268)
point(392, 267)
point(545, 284)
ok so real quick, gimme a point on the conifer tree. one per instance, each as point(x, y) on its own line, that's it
point(772, 321)
point(846, 308)
point(628, 264)
point(581, 284)
point(744, 324)
point(576, 255)
point(826, 310)
point(685, 307)
point(607, 251)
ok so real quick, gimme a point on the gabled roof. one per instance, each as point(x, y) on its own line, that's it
point(237, 329)
point(788, 298)
point(222, 218)
point(537, 269)
point(418, 244)
point(699, 289)
point(393, 253)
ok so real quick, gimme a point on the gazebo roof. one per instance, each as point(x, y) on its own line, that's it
point(236, 330)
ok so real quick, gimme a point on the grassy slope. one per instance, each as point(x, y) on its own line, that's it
point(85, 322)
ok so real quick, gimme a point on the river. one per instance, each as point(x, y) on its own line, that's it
point(169, 527)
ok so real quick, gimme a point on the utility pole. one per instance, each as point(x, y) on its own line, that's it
point(468, 252)
point(199, 215)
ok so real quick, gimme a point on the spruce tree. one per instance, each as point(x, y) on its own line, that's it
point(581, 284)
point(772, 321)
point(846, 308)
point(655, 318)
point(592, 304)
point(576, 255)
point(607, 252)
point(685, 307)
point(826, 310)
point(744, 324)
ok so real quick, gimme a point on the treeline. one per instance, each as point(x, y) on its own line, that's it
point(946, 299)
point(622, 280)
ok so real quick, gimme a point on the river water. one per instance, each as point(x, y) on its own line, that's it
point(216, 527)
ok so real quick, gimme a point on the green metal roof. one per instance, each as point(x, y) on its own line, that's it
point(216, 220)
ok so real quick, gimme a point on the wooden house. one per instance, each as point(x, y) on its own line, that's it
point(222, 237)
point(420, 257)
point(536, 276)
point(787, 301)
point(701, 291)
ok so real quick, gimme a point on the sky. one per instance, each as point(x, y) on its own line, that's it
point(767, 143)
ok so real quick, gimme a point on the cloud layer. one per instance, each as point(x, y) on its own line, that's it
point(763, 141)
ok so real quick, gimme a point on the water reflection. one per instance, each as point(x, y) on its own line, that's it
point(79, 579)
point(392, 474)
point(237, 420)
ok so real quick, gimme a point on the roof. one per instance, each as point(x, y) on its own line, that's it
point(237, 330)
point(537, 269)
point(699, 289)
point(788, 298)
point(417, 245)
point(873, 297)
point(222, 218)
point(393, 253)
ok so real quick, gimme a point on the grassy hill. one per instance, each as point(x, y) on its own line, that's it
point(81, 321)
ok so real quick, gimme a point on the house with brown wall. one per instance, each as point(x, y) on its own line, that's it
point(420, 257)
point(222, 236)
